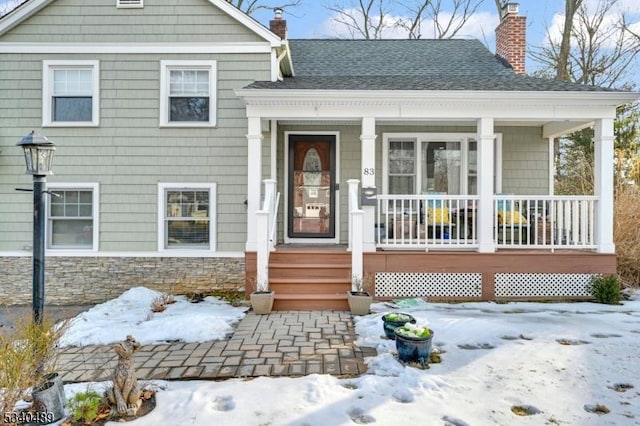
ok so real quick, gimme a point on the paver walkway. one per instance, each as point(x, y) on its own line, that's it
point(279, 344)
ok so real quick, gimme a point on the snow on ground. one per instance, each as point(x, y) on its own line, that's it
point(558, 360)
point(112, 321)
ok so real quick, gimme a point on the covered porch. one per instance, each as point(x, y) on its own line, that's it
point(479, 231)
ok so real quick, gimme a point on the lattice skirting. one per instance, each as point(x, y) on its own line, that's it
point(542, 285)
point(406, 284)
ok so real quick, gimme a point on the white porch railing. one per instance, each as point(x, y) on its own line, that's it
point(449, 222)
point(544, 221)
point(426, 221)
point(266, 227)
point(355, 231)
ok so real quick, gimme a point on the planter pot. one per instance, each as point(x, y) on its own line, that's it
point(389, 324)
point(49, 400)
point(359, 302)
point(414, 349)
point(262, 302)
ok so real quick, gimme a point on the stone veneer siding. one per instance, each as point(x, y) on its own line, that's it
point(86, 280)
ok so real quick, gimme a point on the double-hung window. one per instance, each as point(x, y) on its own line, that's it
point(72, 216)
point(188, 93)
point(71, 93)
point(186, 215)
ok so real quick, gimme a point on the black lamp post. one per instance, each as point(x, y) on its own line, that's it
point(38, 154)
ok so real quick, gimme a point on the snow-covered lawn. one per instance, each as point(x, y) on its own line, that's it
point(559, 360)
point(112, 321)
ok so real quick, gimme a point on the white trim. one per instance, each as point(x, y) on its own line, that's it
point(31, 7)
point(285, 214)
point(165, 68)
point(21, 13)
point(129, 5)
point(603, 185)
point(95, 208)
point(248, 22)
point(552, 166)
point(134, 48)
point(274, 149)
point(47, 91)
point(213, 223)
point(471, 98)
point(180, 254)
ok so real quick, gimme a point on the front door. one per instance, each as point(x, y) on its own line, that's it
point(312, 186)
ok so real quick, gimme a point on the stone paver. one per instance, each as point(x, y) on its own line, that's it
point(284, 343)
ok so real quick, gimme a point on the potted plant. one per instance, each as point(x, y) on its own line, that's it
point(394, 320)
point(413, 343)
point(359, 299)
point(262, 298)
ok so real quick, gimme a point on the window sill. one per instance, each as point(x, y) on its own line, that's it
point(71, 124)
point(189, 124)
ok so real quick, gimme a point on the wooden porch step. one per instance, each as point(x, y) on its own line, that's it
point(310, 302)
point(310, 285)
point(308, 271)
point(310, 278)
point(277, 265)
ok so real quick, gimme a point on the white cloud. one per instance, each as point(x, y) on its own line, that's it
point(608, 28)
point(481, 26)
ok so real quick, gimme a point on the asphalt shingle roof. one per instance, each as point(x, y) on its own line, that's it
point(455, 64)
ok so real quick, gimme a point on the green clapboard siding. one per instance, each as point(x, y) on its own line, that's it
point(128, 154)
point(167, 21)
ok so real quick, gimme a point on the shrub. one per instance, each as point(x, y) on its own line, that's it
point(85, 406)
point(606, 289)
point(627, 234)
point(27, 353)
point(159, 304)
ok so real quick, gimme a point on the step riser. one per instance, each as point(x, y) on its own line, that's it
point(310, 258)
point(302, 273)
point(310, 305)
point(310, 289)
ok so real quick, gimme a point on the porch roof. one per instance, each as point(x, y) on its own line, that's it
point(455, 64)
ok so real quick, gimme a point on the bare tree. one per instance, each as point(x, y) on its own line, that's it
point(251, 6)
point(599, 50)
point(363, 18)
point(562, 69)
point(599, 53)
point(371, 18)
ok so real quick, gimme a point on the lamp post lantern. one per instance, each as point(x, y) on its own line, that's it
point(38, 154)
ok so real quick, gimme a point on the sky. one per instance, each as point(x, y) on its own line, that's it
point(560, 362)
point(313, 20)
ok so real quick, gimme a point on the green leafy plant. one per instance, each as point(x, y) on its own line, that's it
point(411, 330)
point(398, 317)
point(606, 289)
point(85, 406)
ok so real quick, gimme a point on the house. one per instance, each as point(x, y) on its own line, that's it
point(197, 149)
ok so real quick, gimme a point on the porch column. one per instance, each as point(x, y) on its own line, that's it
point(603, 185)
point(485, 185)
point(254, 178)
point(368, 179)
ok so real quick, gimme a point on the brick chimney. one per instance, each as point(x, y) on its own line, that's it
point(511, 37)
point(278, 25)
